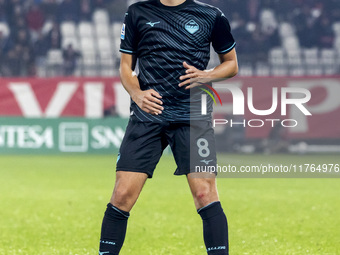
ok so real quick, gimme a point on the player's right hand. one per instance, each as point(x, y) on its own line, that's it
point(149, 101)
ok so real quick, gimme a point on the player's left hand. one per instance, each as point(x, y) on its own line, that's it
point(193, 77)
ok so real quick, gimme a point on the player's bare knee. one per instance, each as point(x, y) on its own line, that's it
point(122, 198)
point(204, 192)
point(202, 196)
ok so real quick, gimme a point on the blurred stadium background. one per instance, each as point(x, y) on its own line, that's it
point(45, 38)
point(60, 94)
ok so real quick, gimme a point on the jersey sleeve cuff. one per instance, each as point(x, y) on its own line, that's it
point(127, 51)
point(227, 50)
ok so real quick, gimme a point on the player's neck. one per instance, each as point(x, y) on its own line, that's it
point(172, 2)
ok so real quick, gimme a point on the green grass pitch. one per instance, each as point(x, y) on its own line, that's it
point(54, 205)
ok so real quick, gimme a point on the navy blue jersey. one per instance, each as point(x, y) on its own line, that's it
point(162, 38)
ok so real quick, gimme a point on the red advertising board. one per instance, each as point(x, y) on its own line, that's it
point(57, 97)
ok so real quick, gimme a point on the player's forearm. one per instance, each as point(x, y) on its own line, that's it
point(127, 75)
point(227, 69)
point(149, 100)
point(223, 71)
point(130, 81)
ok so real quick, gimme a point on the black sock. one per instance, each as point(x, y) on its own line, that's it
point(215, 229)
point(113, 230)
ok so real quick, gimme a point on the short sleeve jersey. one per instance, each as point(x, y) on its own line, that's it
point(162, 38)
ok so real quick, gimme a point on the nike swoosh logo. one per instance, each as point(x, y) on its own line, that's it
point(153, 24)
point(103, 252)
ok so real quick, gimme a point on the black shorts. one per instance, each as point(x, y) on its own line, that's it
point(192, 144)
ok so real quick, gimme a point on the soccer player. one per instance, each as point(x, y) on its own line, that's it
point(169, 41)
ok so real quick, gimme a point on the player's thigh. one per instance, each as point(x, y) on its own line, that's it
point(127, 188)
point(203, 188)
point(193, 147)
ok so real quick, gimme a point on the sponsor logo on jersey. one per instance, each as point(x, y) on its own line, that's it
point(122, 34)
point(192, 26)
point(152, 24)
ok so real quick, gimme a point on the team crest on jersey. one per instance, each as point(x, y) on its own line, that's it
point(192, 26)
point(122, 34)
